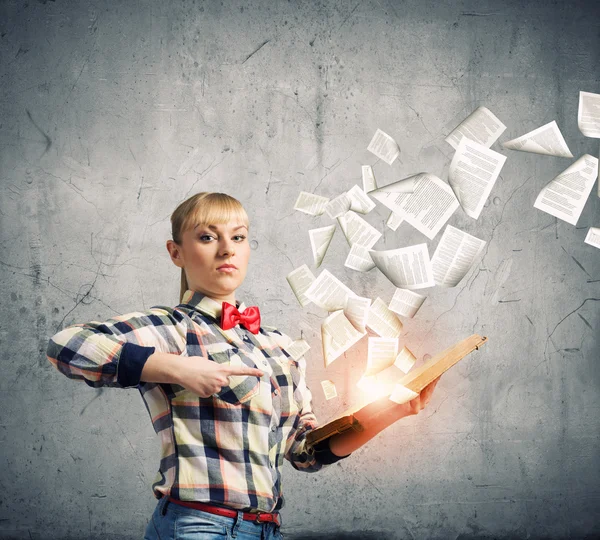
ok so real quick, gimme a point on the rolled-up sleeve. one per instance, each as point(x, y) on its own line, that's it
point(301, 455)
point(113, 353)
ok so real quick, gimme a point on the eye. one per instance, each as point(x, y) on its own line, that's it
point(202, 237)
point(240, 236)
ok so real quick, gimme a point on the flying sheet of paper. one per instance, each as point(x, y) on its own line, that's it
point(359, 201)
point(300, 280)
point(407, 268)
point(405, 360)
point(382, 320)
point(338, 206)
point(406, 303)
point(588, 114)
point(401, 394)
point(565, 196)
point(313, 205)
point(473, 172)
point(593, 237)
point(481, 126)
point(454, 256)
point(382, 352)
point(298, 348)
point(357, 230)
point(547, 140)
point(384, 147)
point(338, 335)
point(359, 259)
point(368, 179)
point(328, 292)
point(394, 221)
point(427, 209)
point(319, 242)
point(329, 389)
point(357, 311)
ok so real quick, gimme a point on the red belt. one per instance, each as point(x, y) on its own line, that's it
point(226, 512)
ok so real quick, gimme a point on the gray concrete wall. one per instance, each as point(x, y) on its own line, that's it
point(104, 104)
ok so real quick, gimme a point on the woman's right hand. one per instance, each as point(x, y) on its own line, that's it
point(205, 377)
point(195, 373)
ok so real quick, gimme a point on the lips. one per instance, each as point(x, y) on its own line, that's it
point(226, 266)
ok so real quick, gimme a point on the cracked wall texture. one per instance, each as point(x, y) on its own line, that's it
point(114, 112)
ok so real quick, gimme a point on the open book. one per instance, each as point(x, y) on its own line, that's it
point(414, 381)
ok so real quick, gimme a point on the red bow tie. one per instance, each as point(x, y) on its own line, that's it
point(250, 317)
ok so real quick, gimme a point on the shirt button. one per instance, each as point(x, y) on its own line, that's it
point(275, 392)
point(274, 428)
point(264, 362)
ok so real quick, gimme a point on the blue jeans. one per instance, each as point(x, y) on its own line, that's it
point(172, 521)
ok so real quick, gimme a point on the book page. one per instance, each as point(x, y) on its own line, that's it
point(384, 147)
point(481, 126)
point(328, 292)
point(368, 179)
point(454, 256)
point(401, 394)
point(406, 303)
point(382, 383)
point(319, 242)
point(394, 221)
point(405, 360)
point(407, 268)
point(473, 172)
point(338, 206)
point(565, 196)
point(593, 237)
point(358, 231)
point(297, 348)
point(382, 352)
point(338, 335)
point(300, 280)
point(588, 114)
point(313, 205)
point(359, 201)
point(547, 140)
point(427, 209)
point(382, 320)
point(359, 259)
point(329, 389)
point(357, 311)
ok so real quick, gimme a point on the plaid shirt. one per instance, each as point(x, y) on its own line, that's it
point(225, 449)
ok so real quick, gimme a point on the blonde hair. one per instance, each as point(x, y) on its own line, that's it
point(205, 208)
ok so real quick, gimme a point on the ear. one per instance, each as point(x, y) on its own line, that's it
point(176, 253)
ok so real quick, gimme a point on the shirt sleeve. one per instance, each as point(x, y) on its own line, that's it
point(113, 353)
point(302, 456)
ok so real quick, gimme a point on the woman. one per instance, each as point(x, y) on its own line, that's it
point(226, 399)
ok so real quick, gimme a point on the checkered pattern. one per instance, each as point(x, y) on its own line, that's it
point(227, 448)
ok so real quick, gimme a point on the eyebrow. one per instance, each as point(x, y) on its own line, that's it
point(214, 228)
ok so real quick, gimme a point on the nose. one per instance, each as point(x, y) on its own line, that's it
point(226, 247)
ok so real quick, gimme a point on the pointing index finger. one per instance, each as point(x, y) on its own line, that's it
point(245, 370)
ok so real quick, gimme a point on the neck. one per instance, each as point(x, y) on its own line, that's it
point(222, 298)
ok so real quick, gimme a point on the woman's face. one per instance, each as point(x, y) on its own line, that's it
point(206, 248)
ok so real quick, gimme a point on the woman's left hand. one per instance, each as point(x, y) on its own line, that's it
point(414, 406)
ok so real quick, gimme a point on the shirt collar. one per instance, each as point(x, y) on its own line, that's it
point(206, 305)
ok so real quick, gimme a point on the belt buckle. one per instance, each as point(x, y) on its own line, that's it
point(272, 518)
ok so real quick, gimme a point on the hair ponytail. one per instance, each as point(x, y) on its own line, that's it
point(184, 285)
